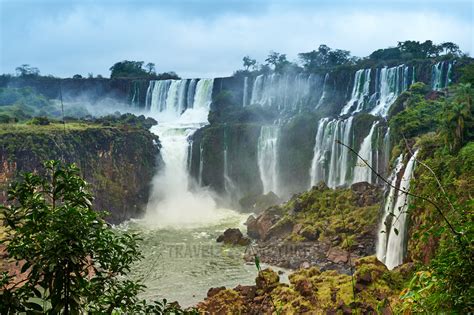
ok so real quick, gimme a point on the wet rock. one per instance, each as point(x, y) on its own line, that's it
point(247, 291)
point(337, 255)
point(267, 279)
point(213, 291)
point(258, 203)
point(233, 237)
point(259, 227)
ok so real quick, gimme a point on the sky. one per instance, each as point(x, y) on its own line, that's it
point(208, 38)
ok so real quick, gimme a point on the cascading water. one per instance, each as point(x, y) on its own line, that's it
point(441, 73)
point(362, 173)
point(331, 160)
point(229, 185)
point(391, 247)
point(391, 83)
point(245, 96)
point(285, 92)
point(268, 158)
point(360, 91)
point(171, 202)
point(323, 97)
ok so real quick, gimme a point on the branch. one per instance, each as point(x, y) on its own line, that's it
point(403, 191)
point(432, 172)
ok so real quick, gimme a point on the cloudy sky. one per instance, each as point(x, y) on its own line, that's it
point(208, 38)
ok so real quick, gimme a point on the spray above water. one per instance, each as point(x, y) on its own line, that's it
point(173, 203)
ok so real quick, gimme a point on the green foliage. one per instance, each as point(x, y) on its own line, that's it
point(446, 284)
point(467, 74)
point(324, 58)
point(72, 260)
point(40, 121)
point(410, 49)
point(26, 70)
point(135, 69)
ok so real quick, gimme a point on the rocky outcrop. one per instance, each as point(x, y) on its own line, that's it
point(118, 162)
point(311, 291)
point(233, 237)
point(322, 227)
point(258, 203)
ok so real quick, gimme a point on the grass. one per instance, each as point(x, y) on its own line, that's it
point(52, 127)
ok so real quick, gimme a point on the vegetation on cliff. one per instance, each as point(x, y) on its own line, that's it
point(118, 159)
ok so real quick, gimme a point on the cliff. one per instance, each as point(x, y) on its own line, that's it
point(118, 162)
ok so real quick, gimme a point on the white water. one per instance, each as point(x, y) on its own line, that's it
point(268, 158)
point(396, 235)
point(393, 81)
point(282, 91)
point(331, 160)
point(440, 77)
point(171, 202)
point(362, 173)
point(323, 97)
point(388, 208)
point(360, 91)
point(245, 96)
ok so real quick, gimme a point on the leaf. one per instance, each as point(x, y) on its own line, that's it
point(25, 267)
point(34, 306)
point(395, 230)
point(257, 262)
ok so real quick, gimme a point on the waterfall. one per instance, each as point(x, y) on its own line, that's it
point(245, 95)
point(383, 228)
point(362, 173)
point(201, 163)
point(171, 202)
point(229, 185)
point(284, 92)
point(268, 158)
point(324, 93)
point(191, 92)
point(331, 160)
point(397, 205)
point(360, 91)
point(392, 82)
point(440, 75)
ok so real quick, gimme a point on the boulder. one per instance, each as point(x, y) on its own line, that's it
point(258, 203)
point(267, 280)
point(233, 237)
point(259, 227)
point(213, 291)
point(337, 255)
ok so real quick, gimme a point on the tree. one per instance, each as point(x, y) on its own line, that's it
point(26, 70)
point(277, 60)
point(128, 69)
point(77, 76)
point(150, 67)
point(249, 62)
point(73, 260)
point(324, 58)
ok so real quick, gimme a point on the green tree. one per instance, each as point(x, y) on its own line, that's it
point(249, 62)
point(324, 58)
point(128, 69)
point(73, 261)
point(26, 70)
point(277, 60)
point(150, 67)
point(457, 118)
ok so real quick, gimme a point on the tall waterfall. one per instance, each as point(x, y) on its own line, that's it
point(360, 91)
point(246, 91)
point(229, 185)
point(362, 173)
point(171, 202)
point(391, 83)
point(391, 246)
point(324, 93)
point(331, 160)
point(284, 92)
point(268, 158)
point(441, 73)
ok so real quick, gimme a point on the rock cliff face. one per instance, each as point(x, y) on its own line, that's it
point(118, 162)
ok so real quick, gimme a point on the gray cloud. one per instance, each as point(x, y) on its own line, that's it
point(90, 38)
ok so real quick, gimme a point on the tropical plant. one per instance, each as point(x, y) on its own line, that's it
point(71, 260)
